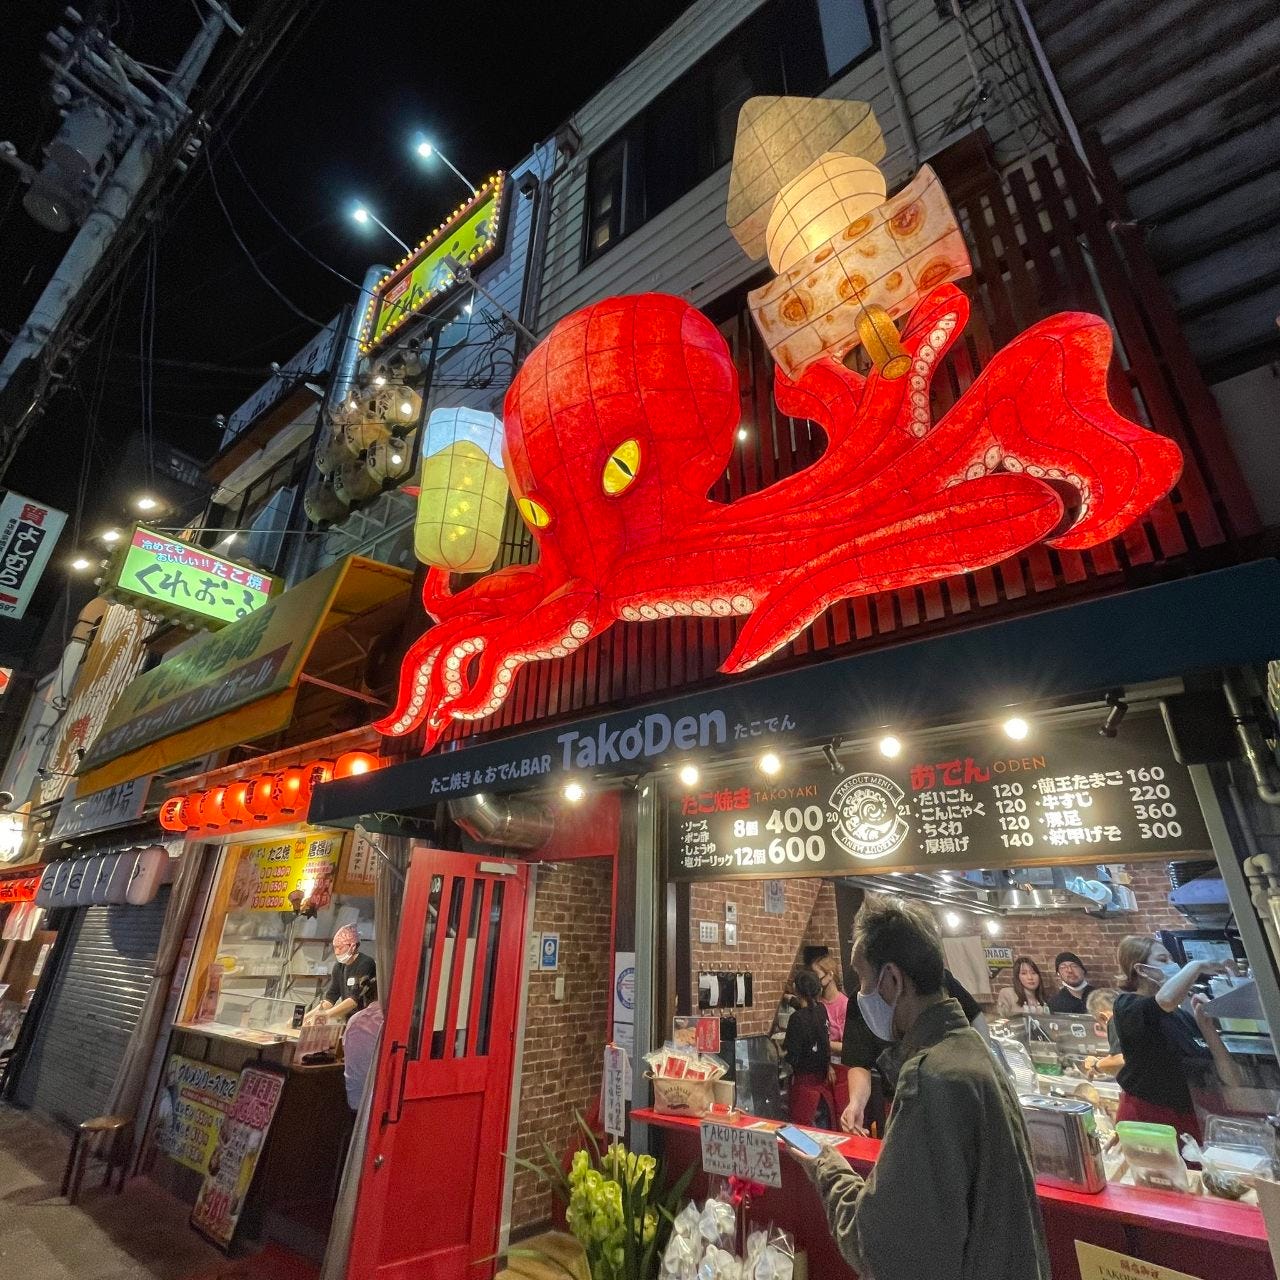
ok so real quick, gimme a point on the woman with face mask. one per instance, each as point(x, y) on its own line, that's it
point(1158, 1037)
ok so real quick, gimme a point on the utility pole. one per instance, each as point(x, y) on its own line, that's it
point(102, 171)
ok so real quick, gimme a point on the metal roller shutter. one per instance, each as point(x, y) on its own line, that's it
point(92, 1011)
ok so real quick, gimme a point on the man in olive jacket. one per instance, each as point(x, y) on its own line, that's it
point(952, 1195)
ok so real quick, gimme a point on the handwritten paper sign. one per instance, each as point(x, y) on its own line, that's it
point(731, 1152)
point(1097, 1263)
point(613, 1103)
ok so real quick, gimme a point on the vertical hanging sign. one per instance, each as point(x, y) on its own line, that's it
point(613, 1106)
point(28, 533)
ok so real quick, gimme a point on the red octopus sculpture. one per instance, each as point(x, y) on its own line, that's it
point(622, 419)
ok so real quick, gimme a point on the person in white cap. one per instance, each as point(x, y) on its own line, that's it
point(352, 984)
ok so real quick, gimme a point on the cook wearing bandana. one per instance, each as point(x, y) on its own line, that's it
point(353, 982)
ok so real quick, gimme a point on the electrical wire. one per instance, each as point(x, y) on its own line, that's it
point(248, 253)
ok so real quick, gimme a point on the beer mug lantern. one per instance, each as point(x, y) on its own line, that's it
point(462, 497)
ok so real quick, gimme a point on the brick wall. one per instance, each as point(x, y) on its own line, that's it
point(769, 947)
point(1094, 940)
point(564, 1039)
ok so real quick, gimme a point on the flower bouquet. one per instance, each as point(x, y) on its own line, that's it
point(615, 1208)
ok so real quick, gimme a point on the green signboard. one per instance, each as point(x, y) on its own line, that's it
point(470, 234)
point(183, 582)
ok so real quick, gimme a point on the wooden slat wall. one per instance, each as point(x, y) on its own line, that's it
point(1041, 242)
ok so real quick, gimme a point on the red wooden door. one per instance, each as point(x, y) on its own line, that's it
point(431, 1189)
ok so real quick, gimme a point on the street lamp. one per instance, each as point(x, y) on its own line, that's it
point(426, 150)
point(362, 215)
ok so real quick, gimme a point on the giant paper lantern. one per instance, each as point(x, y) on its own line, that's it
point(462, 496)
point(818, 204)
point(890, 258)
point(353, 483)
point(777, 139)
point(390, 460)
point(623, 419)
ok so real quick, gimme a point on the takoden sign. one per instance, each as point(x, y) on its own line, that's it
point(1062, 795)
point(28, 533)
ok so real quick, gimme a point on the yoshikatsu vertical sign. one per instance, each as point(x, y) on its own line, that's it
point(28, 533)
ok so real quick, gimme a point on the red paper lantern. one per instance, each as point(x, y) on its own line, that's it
point(353, 763)
point(172, 817)
point(234, 803)
point(623, 418)
point(290, 793)
point(212, 812)
point(262, 802)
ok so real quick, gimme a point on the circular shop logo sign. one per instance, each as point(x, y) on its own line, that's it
point(868, 824)
point(626, 987)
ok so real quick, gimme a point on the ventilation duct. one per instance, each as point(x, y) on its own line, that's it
point(503, 821)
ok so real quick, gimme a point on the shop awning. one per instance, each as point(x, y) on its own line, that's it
point(236, 684)
point(1227, 618)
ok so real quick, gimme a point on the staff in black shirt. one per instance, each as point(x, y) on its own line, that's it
point(353, 982)
point(807, 1046)
point(861, 1052)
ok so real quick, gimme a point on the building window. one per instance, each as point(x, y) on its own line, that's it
point(684, 135)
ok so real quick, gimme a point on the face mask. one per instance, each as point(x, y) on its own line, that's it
point(1077, 986)
point(877, 1013)
point(1166, 969)
point(346, 959)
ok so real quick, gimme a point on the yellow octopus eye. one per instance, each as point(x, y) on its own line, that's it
point(622, 468)
point(535, 514)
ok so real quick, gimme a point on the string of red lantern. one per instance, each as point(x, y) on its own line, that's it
point(264, 800)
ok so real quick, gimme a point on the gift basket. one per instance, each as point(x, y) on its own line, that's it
point(683, 1080)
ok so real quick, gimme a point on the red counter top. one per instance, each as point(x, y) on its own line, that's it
point(1167, 1212)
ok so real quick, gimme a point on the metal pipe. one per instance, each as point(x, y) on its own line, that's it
point(1255, 750)
point(503, 820)
point(895, 86)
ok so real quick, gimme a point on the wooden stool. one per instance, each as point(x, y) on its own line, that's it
point(119, 1132)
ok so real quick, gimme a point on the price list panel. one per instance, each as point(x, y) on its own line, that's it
point(1064, 795)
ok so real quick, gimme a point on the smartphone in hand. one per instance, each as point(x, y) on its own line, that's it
point(800, 1141)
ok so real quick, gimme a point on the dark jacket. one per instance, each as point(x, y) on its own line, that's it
point(952, 1195)
point(808, 1043)
point(1064, 1001)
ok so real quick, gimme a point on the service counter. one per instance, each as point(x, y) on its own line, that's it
point(1199, 1235)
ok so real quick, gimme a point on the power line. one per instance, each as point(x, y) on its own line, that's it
point(248, 253)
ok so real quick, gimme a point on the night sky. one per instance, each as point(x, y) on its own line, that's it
point(330, 120)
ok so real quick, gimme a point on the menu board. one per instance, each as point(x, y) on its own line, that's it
point(190, 1110)
point(1063, 795)
point(268, 871)
point(234, 1158)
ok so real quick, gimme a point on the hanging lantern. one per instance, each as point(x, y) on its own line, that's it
point(892, 258)
point(406, 407)
point(212, 814)
point(318, 772)
point(353, 483)
point(171, 816)
point(777, 140)
point(261, 801)
point(389, 460)
point(330, 455)
point(234, 805)
point(818, 204)
point(290, 793)
point(352, 764)
point(462, 497)
point(362, 434)
point(322, 503)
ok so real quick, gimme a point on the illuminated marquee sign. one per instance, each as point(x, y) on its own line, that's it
point(28, 533)
point(469, 235)
point(19, 890)
point(184, 583)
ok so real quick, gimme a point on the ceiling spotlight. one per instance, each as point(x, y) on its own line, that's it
point(953, 920)
point(833, 760)
point(890, 746)
point(80, 564)
point(575, 792)
point(770, 764)
point(689, 775)
point(110, 536)
point(424, 149)
point(360, 213)
point(1017, 728)
point(1117, 709)
point(146, 503)
point(993, 927)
